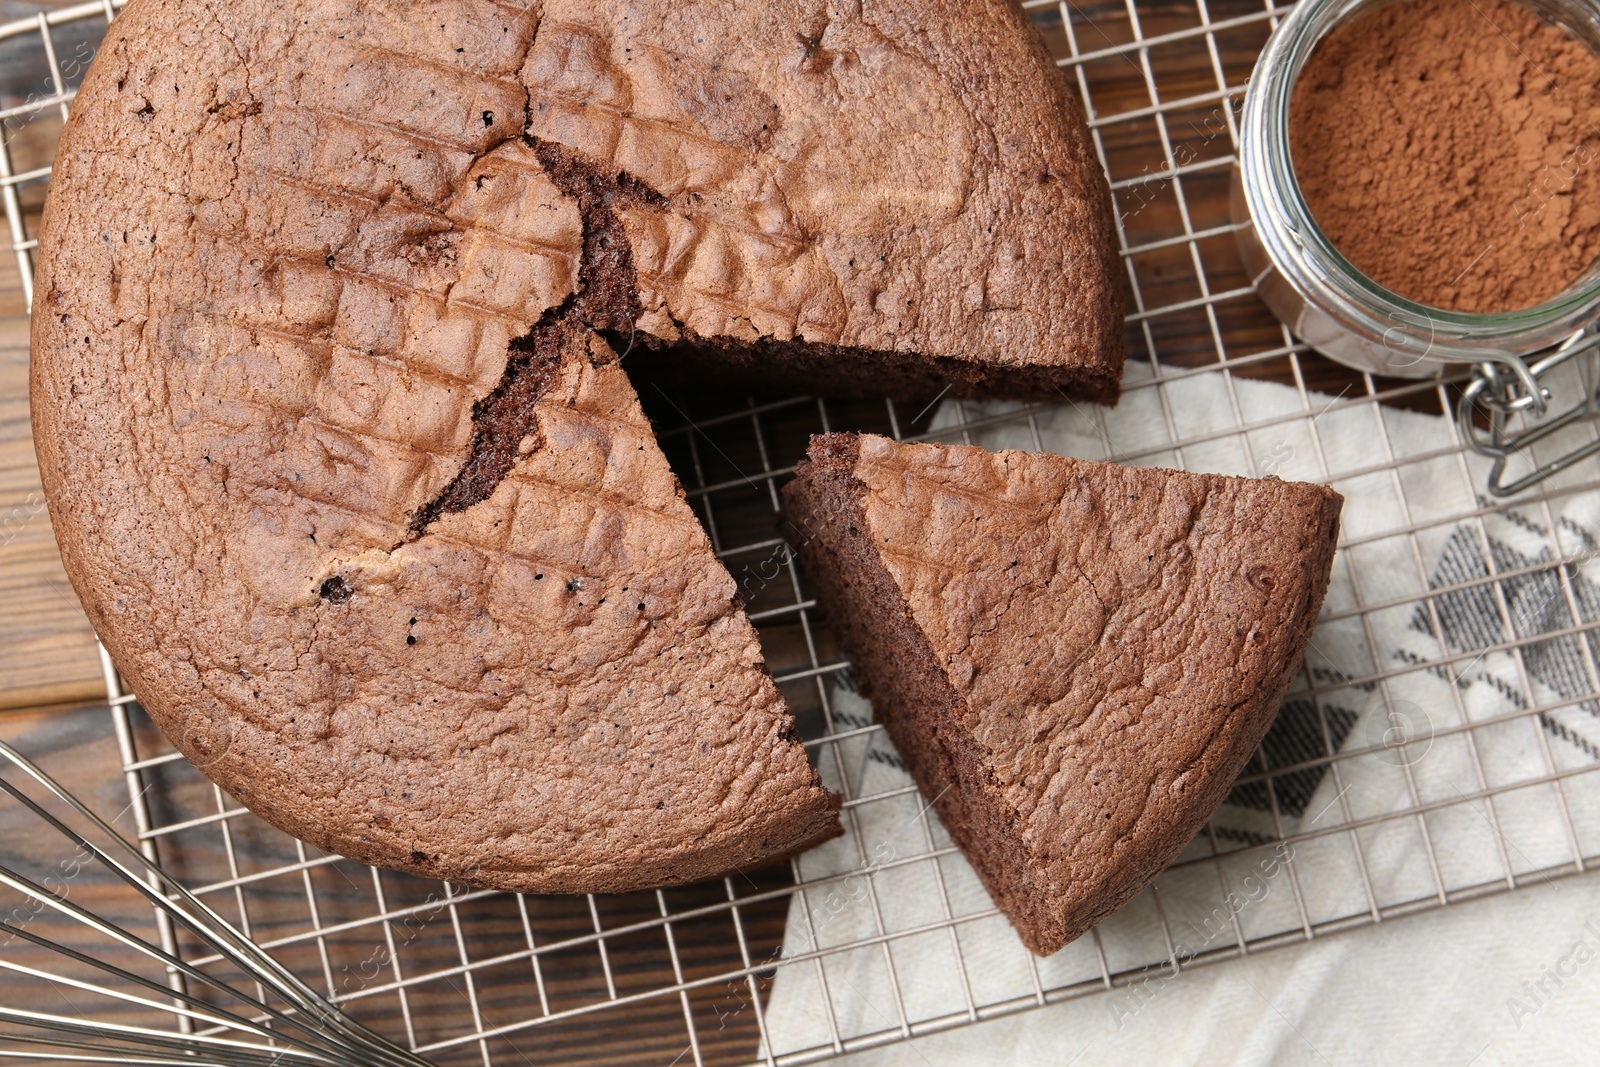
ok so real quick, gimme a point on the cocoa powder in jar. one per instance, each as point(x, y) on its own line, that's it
point(1450, 150)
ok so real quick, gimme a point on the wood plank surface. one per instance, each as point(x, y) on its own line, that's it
point(47, 649)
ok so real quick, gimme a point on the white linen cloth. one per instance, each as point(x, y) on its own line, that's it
point(1504, 980)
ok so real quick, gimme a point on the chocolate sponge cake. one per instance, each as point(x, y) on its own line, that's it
point(1074, 658)
point(328, 402)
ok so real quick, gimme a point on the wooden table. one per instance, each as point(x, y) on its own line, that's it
point(47, 650)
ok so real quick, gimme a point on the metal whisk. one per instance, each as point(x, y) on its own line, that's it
point(282, 1024)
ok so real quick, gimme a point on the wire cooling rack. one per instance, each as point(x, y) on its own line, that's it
point(684, 976)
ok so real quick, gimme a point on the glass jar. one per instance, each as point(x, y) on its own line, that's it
point(1324, 299)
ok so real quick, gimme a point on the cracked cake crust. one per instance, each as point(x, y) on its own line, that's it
point(1075, 659)
point(266, 318)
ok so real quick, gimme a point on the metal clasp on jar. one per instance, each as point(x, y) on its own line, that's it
point(1503, 394)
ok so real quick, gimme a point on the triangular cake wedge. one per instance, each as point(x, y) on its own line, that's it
point(1075, 659)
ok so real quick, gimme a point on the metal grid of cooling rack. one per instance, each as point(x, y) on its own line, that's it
point(682, 976)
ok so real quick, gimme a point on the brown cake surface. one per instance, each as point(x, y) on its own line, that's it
point(909, 179)
point(1075, 658)
point(340, 459)
point(354, 493)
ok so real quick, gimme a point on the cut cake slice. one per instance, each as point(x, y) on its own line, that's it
point(1075, 659)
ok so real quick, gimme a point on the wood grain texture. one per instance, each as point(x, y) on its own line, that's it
point(77, 748)
point(47, 650)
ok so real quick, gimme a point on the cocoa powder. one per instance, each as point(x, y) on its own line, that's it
point(1450, 149)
